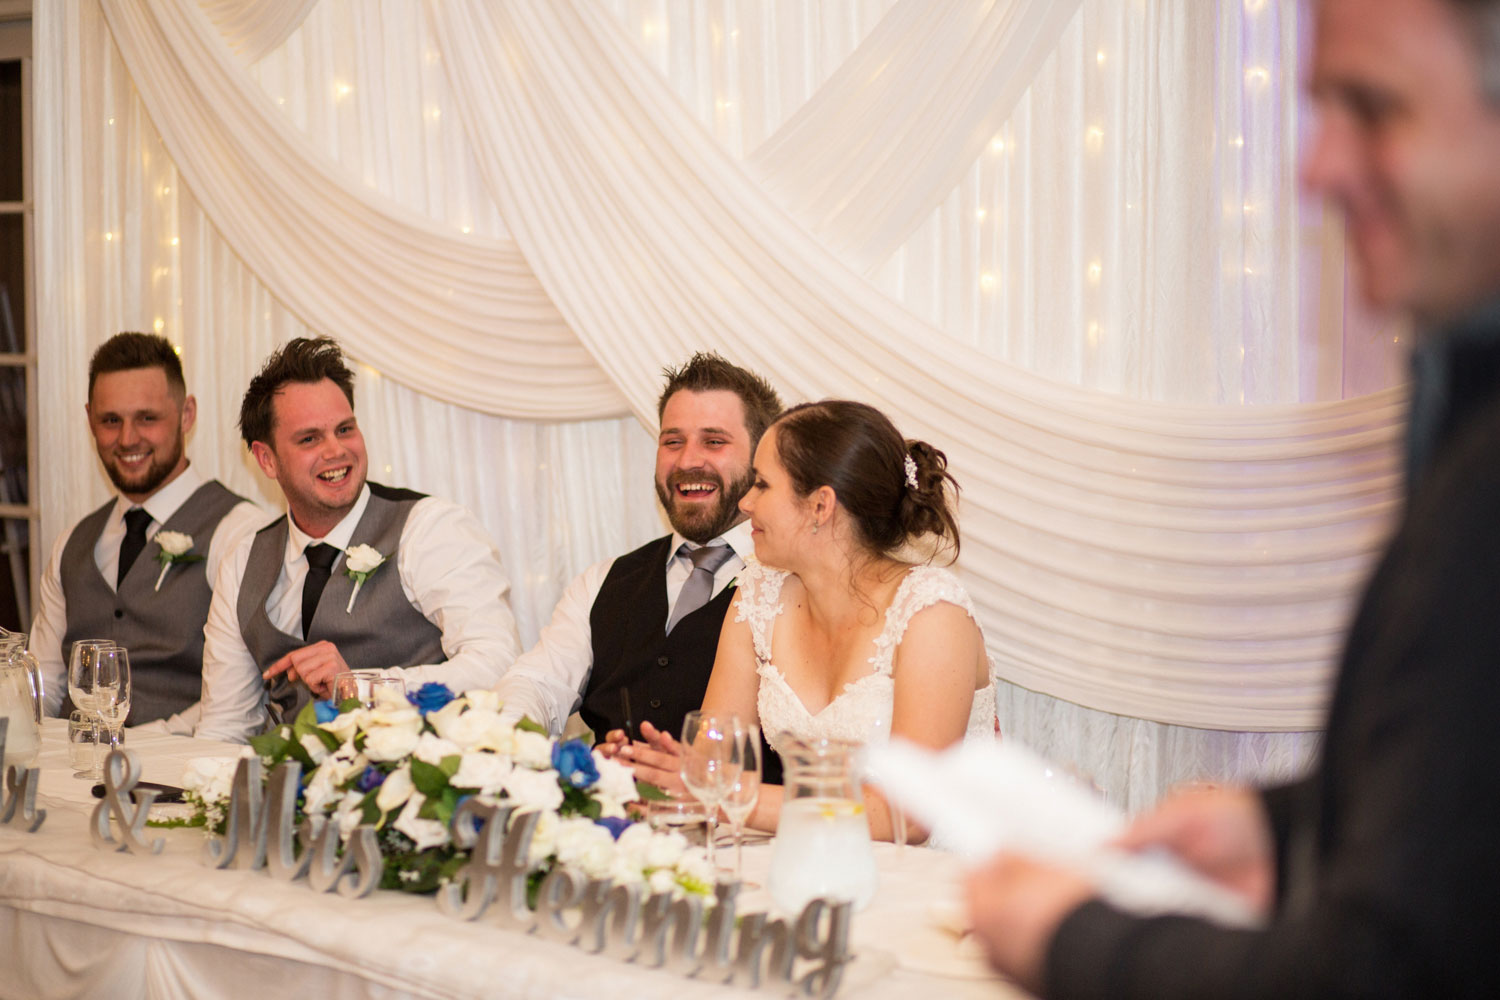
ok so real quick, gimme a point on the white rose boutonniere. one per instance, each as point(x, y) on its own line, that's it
point(176, 547)
point(359, 562)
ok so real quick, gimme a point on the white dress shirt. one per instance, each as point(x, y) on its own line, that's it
point(547, 681)
point(450, 572)
point(51, 622)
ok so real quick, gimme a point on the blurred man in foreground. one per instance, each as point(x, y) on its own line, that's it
point(1378, 873)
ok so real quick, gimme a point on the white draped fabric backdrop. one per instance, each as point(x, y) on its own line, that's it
point(1060, 239)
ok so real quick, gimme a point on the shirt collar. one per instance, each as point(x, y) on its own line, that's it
point(164, 502)
point(737, 538)
point(297, 539)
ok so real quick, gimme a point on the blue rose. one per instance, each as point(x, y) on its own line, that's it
point(430, 697)
point(616, 825)
point(575, 762)
point(326, 711)
point(370, 779)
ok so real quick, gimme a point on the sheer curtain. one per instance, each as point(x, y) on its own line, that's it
point(1111, 308)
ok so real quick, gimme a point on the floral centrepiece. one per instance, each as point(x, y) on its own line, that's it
point(405, 765)
point(359, 562)
point(176, 547)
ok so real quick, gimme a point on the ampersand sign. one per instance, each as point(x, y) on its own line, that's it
point(122, 769)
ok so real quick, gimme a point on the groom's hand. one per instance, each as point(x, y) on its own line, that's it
point(314, 665)
point(657, 759)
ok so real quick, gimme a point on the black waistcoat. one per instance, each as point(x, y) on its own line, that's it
point(666, 675)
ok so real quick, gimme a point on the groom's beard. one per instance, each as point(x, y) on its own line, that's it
point(703, 522)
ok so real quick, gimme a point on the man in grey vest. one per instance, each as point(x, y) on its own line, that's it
point(356, 576)
point(641, 630)
point(108, 577)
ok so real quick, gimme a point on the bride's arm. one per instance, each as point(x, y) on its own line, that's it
point(937, 668)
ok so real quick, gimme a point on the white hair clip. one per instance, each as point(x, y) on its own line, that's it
point(911, 471)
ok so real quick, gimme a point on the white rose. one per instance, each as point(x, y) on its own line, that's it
point(344, 725)
point(210, 778)
point(543, 837)
point(320, 791)
point(446, 717)
point(349, 814)
point(585, 845)
point(344, 763)
point(483, 699)
point(533, 750)
point(481, 729)
point(174, 543)
point(624, 871)
point(314, 747)
point(396, 789)
point(533, 790)
point(633, 843)
point(664, 850)
point(362, 559)
point(390, 743)
point(662, 880)
point(485, 772)
point(425, 833)
point(695, 866)
point(388, 712)
point(432, 749)
point(616, 785)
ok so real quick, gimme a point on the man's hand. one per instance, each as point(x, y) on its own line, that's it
point(1015, 907)
point(656, 759)
point(1222, 833)
point(315, 665)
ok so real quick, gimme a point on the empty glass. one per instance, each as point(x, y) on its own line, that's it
point(739, 800)
point(712, 758)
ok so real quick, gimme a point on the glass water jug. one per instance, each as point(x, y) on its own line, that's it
point(20, 699)
point(822, 847)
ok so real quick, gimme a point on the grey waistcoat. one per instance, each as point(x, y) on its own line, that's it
point(162, 629)
point(383, 629)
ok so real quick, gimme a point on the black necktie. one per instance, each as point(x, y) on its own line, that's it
point(320, 559)
point(700, 583)
point(136, 523)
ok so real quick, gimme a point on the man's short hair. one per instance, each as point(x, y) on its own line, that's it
point(708, 372)
point(303, 359)
point(130, 350)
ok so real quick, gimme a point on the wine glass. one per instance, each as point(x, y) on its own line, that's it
point(82, 670)
point(111, 703)
point(711, 762)
point(740, 799)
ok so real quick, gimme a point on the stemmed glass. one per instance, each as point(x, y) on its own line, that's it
point(112, 690)
point(711, 762)
point(740, 799)
point(82, 672)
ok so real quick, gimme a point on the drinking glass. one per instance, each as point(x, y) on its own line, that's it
point(367, 687)
point(111, 702)
point(82, 670)
point(83, 740)
point(740, 798)
point(711, 762)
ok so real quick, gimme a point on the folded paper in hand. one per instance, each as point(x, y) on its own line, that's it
point(981, 797)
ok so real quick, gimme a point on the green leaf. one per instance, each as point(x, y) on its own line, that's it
point(450, 764)
point(307, 722)
point(330, 741)
point(430, 781)
point(527, 726)
point(348, 705)
point(272, 745)
point(650, 793)
point(369, 811)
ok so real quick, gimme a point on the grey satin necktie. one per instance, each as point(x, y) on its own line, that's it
point(320, 559)
point(136, 523)
point(700, 583)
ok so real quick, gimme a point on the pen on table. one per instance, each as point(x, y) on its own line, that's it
point(625, 711)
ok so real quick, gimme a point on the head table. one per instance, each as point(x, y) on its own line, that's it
point(76, 920)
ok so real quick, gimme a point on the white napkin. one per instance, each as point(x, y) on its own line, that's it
point(981, 797)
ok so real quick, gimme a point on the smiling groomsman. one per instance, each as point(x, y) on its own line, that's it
point(642, 629)
point(356, 576)
point(109, 577)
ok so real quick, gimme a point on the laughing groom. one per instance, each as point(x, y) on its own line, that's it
point(355, 576)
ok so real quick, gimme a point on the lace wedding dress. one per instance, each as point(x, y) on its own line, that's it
point(861, 713)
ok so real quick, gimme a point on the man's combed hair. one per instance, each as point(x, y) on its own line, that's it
point(708, 372)
point(126, 351)
point(304, 359)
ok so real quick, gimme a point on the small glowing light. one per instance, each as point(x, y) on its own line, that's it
point(387, 470)
point(1242, 352)
point(1095, 272)
point(979, 213)
point(997, 145)
point(159, 325)
point(177, 349)
point(174, 241)
point(1249, 271)
point(1257, 76)
point(281, 100)
point(342, 90)
point(1397, 340)
point(1254, 5)
point(1093, 334)
point(724, 105)
point(434, 113)
point(166, 190)
point(109, 237)
point(734, 32)
point(1237, 141)
point(111, 121)
point(648, 30)
point(431, 55)
point(987, 281)
point(1249, 208)
point(466, 229)
point(1094, 137)
point(1099, 57)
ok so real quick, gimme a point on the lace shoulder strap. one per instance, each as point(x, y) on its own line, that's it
point(923, 587)
point(759, 604)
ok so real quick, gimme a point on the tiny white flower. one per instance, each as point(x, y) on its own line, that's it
point(432, 749)
point(616, 785)
point(388, 743)
point(425, 833)
point(396, 789)
point(482, 729)
point(664, 849)
point(320, 791)
point(362, 558)
point(483, 699)
point(388, 713)
point(445, 718)
point(343, 725)
point(174, 543)
point(485, 772)
point(543, 837)
point(533, 790)
point(661, 880)
point(314, 747)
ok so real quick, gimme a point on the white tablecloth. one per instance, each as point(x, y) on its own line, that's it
point(76, 920)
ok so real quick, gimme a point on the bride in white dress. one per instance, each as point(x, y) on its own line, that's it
point(844, 638)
